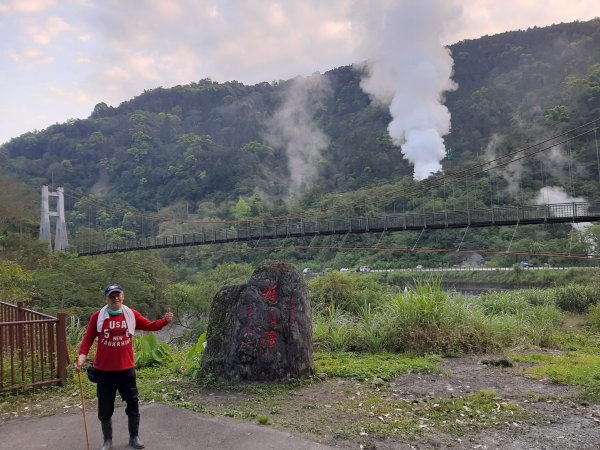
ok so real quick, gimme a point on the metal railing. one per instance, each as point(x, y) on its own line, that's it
point(573, 212)
point(33, 348)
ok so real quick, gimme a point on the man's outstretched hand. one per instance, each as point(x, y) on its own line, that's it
point(169, 315)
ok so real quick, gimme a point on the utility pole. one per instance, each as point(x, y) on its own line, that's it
point(60, 238)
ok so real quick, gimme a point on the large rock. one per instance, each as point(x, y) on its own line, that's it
point(261, 331)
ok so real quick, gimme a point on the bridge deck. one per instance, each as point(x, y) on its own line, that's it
point(281, 229)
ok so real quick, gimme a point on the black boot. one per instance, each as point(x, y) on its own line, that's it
point(106, 434)
point(134, 428)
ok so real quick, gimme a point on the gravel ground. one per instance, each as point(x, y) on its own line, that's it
point(338, 413)
point(557, 417)
point(560, 421)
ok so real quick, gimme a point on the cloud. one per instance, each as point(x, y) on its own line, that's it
point(31, 6)
point(52, 27)
point(31, 56)
point(484, 17)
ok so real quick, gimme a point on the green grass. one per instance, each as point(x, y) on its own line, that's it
point(427, 319)
point(511, 279)
point(456, 416)
point(573, 369)
point(385, 365)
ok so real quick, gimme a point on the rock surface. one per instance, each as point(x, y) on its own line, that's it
point(262, 330)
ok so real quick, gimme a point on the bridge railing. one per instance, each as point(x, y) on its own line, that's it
point(33, 348)
point(273, 229)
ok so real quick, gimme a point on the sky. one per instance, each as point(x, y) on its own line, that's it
point(59, 58)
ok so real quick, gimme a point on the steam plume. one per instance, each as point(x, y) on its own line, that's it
point(409, 69)
point(293, 129)
point(555, 194)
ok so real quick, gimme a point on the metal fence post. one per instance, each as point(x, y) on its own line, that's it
point(62, 351)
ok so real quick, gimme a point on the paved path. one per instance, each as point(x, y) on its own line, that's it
point(161, 428)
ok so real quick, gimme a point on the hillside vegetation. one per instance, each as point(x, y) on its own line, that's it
point(206, 150)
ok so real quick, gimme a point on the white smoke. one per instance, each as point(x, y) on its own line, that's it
point(555, 163)
point(511, 172)
point(409, 69)
point(293, 129)
point(489, 153)
point(555, 194)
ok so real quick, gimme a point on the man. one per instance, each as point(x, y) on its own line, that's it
point(115, 325)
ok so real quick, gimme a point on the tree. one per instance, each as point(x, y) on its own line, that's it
point(117, 234)
point(559, 113)
point(241, 210)
point(15, 282)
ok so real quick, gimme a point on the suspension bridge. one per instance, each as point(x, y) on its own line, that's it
point(272, 229)
point(482, 174)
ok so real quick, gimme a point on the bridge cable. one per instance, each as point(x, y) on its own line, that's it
point(380, 238)
point(417, 241)
point(465, 174)
point(457, 176)
point(463, 238)
point(570, 168)
point(512, 237)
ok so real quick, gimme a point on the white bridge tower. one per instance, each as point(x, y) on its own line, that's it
point(60, 239)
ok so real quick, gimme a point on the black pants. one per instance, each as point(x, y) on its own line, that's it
point(109, 383)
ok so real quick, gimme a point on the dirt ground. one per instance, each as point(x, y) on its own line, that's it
point(336, 412)
point(394, 413)
point(558, 421)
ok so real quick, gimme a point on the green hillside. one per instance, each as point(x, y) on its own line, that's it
point(203, 149)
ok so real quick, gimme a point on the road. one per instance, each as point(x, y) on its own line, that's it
point(161, 428)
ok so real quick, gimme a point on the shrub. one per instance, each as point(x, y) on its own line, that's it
point(542, 324)
point(334, 330)
point(499, 303)
point(576, 298)
point(75, 331)
point(426, 305)
point(593, 317)
point(347, 292)
point(429, 320)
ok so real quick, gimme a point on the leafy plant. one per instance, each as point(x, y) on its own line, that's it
point(197, 350)
point(150, 352)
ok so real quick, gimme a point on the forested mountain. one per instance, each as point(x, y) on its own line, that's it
point(212, 145)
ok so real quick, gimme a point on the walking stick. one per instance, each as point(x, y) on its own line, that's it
point(87, 436)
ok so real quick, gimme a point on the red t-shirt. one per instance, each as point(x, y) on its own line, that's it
point(115, 345)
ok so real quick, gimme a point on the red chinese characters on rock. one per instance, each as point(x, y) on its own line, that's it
point(273, 316)
point(269, 340)
point(271, 295)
